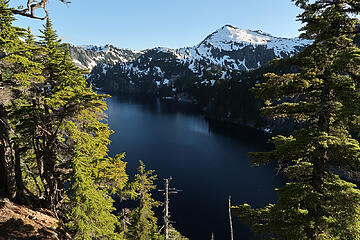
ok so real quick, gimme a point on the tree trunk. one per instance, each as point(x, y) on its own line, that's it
point(316, 211)
point(20, 197)
point(50, 175)
point(7, 164)
point(230, 221)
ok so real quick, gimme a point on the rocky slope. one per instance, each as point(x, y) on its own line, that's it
point(19, 222)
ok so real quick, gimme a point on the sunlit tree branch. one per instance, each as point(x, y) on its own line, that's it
point(31, 6)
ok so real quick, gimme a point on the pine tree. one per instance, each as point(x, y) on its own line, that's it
point(324, 97)
point(73, 139)
point(143, 221)
point(7, 165)
point(39, 122)
point(56, 135)
point(175, 234)
point(16, 72)
point(54, 142)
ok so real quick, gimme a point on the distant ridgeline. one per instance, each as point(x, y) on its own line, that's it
point(217, 73)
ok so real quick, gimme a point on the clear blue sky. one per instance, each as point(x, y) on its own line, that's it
point(141, 24)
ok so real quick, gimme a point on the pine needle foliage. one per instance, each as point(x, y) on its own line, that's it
point(77, 116)
point(17, 71)
point(324, 97)
point(143, 221)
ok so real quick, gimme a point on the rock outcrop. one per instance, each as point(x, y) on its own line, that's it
point(20, 222)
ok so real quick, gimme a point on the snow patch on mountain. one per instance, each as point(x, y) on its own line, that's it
point(95, 48)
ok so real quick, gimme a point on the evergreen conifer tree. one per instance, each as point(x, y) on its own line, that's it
point(9, 36)
point(17, 70)
point(143, 221)
point(54, 139)
point(176, 235)
point(324, 97)
point(76, 140)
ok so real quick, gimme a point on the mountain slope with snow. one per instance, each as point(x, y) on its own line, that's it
point(241, 49)
point(229, 47)
point(226, 50)
point(89, 56)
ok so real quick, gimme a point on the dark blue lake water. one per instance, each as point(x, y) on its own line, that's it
point(207, 162)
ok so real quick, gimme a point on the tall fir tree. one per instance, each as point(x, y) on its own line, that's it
point(54, 142)
point(55, 139)
point(17, 70)
point(143, 221)
point(9, 36)
point(324, 97)
point(77, 139)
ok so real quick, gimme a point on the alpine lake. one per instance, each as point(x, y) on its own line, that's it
point(207, 162)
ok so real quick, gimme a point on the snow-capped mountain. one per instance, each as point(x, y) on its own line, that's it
point(227, 49)
point(89, 56)
point(241, 49)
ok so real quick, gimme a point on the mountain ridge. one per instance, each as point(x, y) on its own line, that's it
point(150, 71)
point(225, 39)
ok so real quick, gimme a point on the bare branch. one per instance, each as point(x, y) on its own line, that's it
point(32, 5)
point(28, 170)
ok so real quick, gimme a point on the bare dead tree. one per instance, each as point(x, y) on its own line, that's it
point(230, 220)
point(31, 6)
point(167, 191)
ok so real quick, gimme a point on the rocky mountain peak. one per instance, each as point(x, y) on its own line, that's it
point(229, 34)
point(230, 38)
